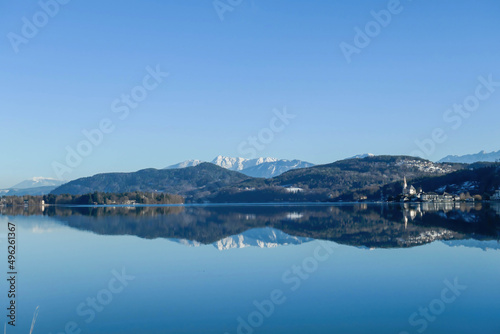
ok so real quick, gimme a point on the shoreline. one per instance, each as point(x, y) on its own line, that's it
point(248, 204)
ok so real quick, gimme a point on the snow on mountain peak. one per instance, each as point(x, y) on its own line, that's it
point(263, 160)
point(362, 156)
point(230, 163)
point(184, 164)
point(38, 181)
point(266, 237)
point(259, 167)
point(239, 164)
point(41, 178)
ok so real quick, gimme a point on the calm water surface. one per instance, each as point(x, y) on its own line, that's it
point(257, 269)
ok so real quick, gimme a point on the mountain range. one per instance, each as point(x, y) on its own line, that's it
point(207, 182)
point(239, 180)
point(472, 158)
point(260, 167)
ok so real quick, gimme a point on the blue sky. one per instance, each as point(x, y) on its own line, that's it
point(227, 76)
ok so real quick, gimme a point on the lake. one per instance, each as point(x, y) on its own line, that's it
point(349, 268)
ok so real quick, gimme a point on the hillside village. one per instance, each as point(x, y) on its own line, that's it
point(411, 194)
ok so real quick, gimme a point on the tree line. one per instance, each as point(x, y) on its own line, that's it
point(95, 198)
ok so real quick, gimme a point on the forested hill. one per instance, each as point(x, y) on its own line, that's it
point(204, 178)
point(359, 173)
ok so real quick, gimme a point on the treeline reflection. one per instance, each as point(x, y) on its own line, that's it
point(370, 225)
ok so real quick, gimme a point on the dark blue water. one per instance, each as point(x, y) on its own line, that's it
point(278, 269)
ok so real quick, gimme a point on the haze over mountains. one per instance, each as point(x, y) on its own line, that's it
point(35, 186)
point(260, 167)
point(38, 182)
point(472, 158)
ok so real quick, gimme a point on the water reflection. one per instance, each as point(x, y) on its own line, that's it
point(369, 225)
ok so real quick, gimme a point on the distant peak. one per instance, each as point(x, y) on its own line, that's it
point(41, 178)
point(482, 156)
point(38, 181)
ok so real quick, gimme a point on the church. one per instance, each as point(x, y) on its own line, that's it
point(408, 191)
point(414, 195)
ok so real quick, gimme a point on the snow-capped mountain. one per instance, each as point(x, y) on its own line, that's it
point(271, 169)
point(260, 167)
point(266, 237)
point(38, 182)
point(184, 164)
point(239, 164)
point(34, 187)
point(472, 158)
point(259, 237)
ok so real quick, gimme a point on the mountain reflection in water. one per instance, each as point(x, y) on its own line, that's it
point(368, 225)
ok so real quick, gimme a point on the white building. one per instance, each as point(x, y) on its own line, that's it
point(408, 191)
point(430, 197)
point(294, 190)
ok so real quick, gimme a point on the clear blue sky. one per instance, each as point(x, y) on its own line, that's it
point(226, 77)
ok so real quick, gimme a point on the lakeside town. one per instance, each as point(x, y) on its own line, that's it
point(411, 194)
